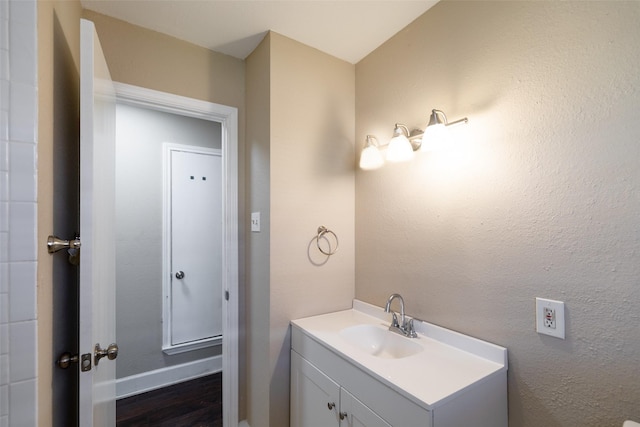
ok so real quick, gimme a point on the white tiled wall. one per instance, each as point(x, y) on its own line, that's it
point(18, 172)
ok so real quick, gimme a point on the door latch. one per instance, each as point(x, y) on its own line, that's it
point(85, 362)
point(66, 359)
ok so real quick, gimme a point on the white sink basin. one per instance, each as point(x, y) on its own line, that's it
point(380, 342)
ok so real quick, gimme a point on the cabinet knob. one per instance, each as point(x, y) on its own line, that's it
point(343, 415)
point(331, 405)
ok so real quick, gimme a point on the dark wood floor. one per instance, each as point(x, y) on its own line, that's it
point(195, 403)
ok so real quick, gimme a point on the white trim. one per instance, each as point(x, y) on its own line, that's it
point(164, 377)
point(244, 423)
point(228, 119)
point(167, 339)
point(194, 345)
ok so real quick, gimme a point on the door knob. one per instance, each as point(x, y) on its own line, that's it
point(66, 359)
point(180, 275)
point(54, 244)
point(110, 353)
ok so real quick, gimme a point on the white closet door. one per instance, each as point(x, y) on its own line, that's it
point(196, 246)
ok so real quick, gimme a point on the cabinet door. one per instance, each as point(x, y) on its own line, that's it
point(315, 398)
point(357, 413)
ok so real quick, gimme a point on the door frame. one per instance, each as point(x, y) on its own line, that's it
point(228, 118)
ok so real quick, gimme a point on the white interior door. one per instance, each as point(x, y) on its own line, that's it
point(97, 233)
point(196, 246)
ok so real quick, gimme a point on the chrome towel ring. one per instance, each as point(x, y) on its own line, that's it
point(322, 233)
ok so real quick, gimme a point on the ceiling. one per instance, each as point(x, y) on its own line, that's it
point(346, 29)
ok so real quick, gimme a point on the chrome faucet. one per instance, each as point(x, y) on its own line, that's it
point(403, 327)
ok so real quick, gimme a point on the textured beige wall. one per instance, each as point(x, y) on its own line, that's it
point(300, 127)
point(312, 184)
point(157, 61)
point(540, 200)
point(59, 51)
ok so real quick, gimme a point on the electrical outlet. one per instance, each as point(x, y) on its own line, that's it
point(550, 317)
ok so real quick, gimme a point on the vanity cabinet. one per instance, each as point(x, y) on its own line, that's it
point(318, 401)
point(452, 381)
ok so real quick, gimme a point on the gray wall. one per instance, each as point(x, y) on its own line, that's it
point(541, 200)
point(140, 134)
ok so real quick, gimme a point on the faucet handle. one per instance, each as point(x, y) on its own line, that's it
point(394, 320)
point(409, 329)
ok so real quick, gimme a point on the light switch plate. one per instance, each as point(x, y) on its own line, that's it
point(255, 222)
point(550, 317)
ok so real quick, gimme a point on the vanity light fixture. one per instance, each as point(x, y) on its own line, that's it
point(405, 142)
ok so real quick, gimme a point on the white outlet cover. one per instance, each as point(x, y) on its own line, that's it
point(558, 306)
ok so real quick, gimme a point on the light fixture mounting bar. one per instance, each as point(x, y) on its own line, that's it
point(435, 119)
point(463, 120)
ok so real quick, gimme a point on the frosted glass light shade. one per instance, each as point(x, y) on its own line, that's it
point(371, 158)
point(399, 149)
point(434, 137)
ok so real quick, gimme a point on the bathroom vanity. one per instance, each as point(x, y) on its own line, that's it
point(347, 369)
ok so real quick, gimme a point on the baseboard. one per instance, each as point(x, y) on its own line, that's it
point(244, 423)
point(152, 380)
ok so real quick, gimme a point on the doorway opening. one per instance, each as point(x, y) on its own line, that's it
point(140, 250)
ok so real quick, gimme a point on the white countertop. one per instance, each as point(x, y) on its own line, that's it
point(449, 363)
